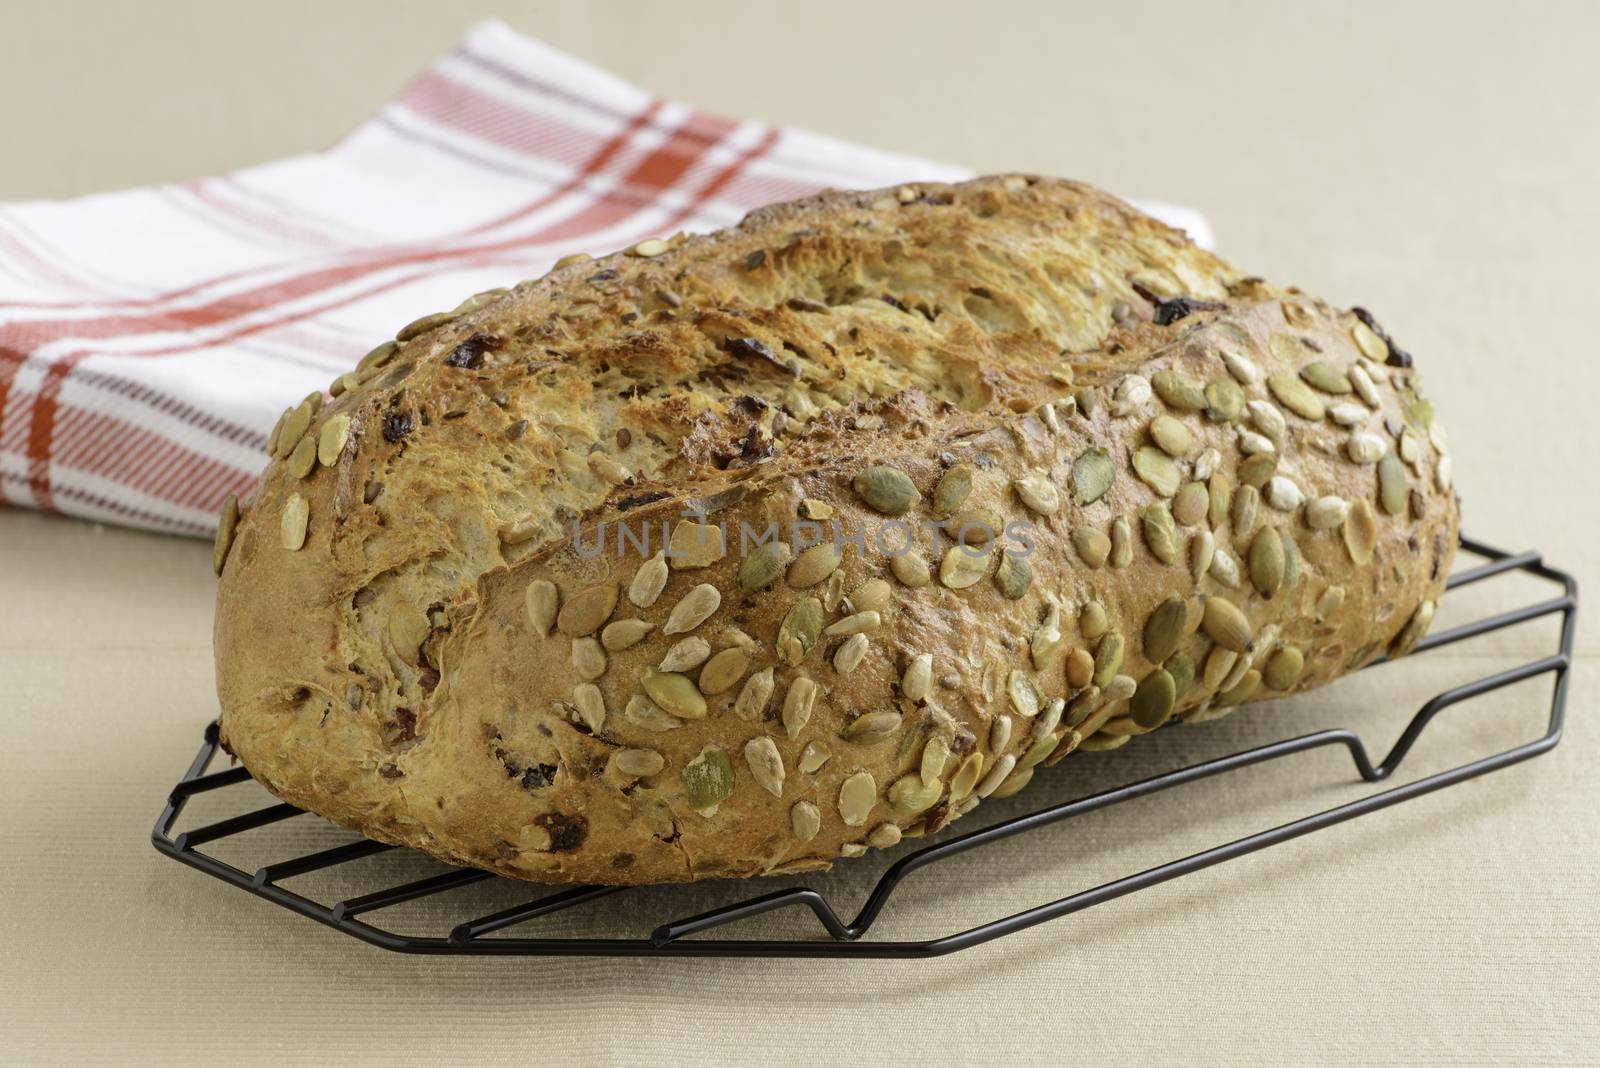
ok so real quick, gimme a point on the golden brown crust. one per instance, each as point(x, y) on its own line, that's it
point(1199, 458)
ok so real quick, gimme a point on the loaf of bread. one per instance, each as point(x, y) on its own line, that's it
point(738, 553)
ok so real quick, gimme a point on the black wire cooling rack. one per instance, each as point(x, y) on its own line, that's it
point(675, 937)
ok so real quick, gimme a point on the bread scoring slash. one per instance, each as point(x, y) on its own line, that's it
point(738, 553)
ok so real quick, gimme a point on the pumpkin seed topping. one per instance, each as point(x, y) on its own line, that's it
point(1283, 494)
point(1283, 668)
point(586, 611)
point(962, 567)
point(1266, 561)
point(997, 775)
point(1000, 733)
point(1171, 435)
point(1226, 625)
point(872, 595)
point(1364, 448)
point(296, 514)
point(1219, 663)
point(708, 778)
point(619, 635)
point(1244, 370)
point(541, 599)
point(1365, 388)
point(303, 460)
point(1329, 603)
point(417, 327)
point(1391, 484)
point(801, 628)
point(975, 526)
point(1153, 701)
point(1121, 542)
point(911, 568)
point(225, 531)
point(1328, 512)
point(723, 670)
point(1326, 377)
point(588, 659)
point(764, 566)
point(331, 441)
point(1348, 414)
point(1092, 474)
point(918, 678)
point(885, 836)
point(805, 820)
point(1160, 532)
point(1092, 621)
point(1014, 575)
point(814, 565)
point(674, 693)
point(638, 763)
point(1371, 345)
point(951, 492)
point(1157, 470)
point(1202, 551)
point(1242, 692)
point(966, 776)
point(1182, 668)
point(1178, 390)
point(1093, 547)
point(1252, 444)
point(1296, 396)
point(1038, 494)
point(1164, 629)
point(857, 795)
point(1257, 469)
point(1361, 532)
point(1108, 658)
point(1224, 400)
point(1080, 669)
point(858, 623)
point(910, 794)
point(886, 490)
point(1219, 488)
point(1243, 514)
point(1023, 694)
point(1189, 507)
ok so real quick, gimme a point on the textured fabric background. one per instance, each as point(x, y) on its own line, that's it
point(1431, 162)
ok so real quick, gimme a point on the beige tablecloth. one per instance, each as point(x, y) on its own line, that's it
point(1431, 162)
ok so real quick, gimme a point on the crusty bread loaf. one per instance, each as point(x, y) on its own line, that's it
point(1182, 488)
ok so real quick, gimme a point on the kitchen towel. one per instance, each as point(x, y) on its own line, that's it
point(150, 338)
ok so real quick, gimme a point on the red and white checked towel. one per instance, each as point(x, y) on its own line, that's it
point(150, 338)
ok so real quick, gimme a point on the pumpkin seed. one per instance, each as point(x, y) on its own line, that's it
point(951, 492)
point(858, 623)
point(1024, 696)
point(693, 609)
point(911, 568)
point(1164, 629)
point(303, 459)
point(1268, 419)
point(1224, 400)
point(1291, 561)
point(1391, 484)
point(797, 705)
point(1414, 629)
point(1244, 370)
point(296, 514)
point(708, 778)
point(1220, 489)
point(1225, 569)
point(1092, 621)
point(918, 677)
point(1219, 664)
point(1296, 396)
point(1038, 494)
point(623, 634)
point(1046, 639)
point(1226, 625)
point(934, 756)
point(1000, 733)
point(1251, 443)
point(1080, 668)
point(962, 567)
point(1258, 469)
point(1092, 474)
point(1326, 377)
point(1178, 390)
point(650, 248)
point(1348, 413)
point(1241, 691)
point(1013, 576)
point(294, 428)
point(421, 326)
point(588, 659)
point(695, 545)
point(638, 763)
point(751, 704)
point(966, 777)
point(814, 565)
point(910, 794)
point(1157, 470)
point(1160, 533)
point(872, 727)
point(857, 795)
point(885, 836)
point(1364, 386)
point(1121, 542)
point(1082, 706)
point(1093, 547)
point(975, 527)
point(1361, 532)
point(1120, 689)
point(1189, 507)
point(1364, 448)
point(331, 442)
point(1325, 513)
point(723, 670)
point(1152, 702)
point(1181, 667)
point(805, 820)
point(225, 531)
point(1202, 551)
point(1035, 753)
point(764, 565)
point(1283, 494)
point(591, 706)
point(1266, 561)
point(871, 596)
point(1283, 668)
point(813, 757)
point(378, 356)
point(850, 654)
point(997, 774)
point(1371, 345)
point(648, 581)
point(1171, 436)
point(1245, 508)
point(674, 693)
point(801, 628)
point(886, 490)
point(1108, 658)
point(586, 611)
point(540, 601)
point(766, 764)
